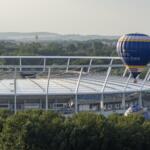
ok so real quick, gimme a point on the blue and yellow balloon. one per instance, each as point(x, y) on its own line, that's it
point(135, 52)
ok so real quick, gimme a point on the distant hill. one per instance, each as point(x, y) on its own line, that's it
point(46, 36)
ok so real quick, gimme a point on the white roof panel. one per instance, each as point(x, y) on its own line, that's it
point(88, 84)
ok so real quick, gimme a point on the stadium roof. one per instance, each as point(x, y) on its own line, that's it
point(91, 84)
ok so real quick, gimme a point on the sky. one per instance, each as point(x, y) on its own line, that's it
point(101, 17)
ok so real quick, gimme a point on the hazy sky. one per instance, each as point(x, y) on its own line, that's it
point(105, 17)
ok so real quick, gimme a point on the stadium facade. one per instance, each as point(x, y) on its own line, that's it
point(69, 84)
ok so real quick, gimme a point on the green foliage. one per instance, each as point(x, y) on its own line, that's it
point(146, 133)
point(90, 132)
point(4, 114)
point(40, 130)
point(72, 48)
point(30, 130)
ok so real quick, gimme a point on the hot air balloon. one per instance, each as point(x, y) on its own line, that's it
point(135, 52)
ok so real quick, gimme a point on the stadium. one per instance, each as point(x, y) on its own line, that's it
point(70, 84)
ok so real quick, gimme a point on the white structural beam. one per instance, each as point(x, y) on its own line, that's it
point(20, 64)
point(15, 90)
point(125, 72)
point(91, 60)
point(140, 99)
point(127, 82)
point(62, 57)
point(44, 64)
point(59, 66)
point(148, 77)
point(124, 91)
point(76, 91)
point(104, 85)
point(145, 78)
point(47, 88)
point(68, 63)
point(142, 85)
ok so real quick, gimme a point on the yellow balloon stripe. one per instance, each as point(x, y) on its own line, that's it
point(131, 67)
point(136, 40)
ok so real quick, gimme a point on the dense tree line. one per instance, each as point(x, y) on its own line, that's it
point(40, 130)
point(57, 48)
point(84, 48)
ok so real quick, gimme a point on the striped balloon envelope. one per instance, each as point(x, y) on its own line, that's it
point(135, 52)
